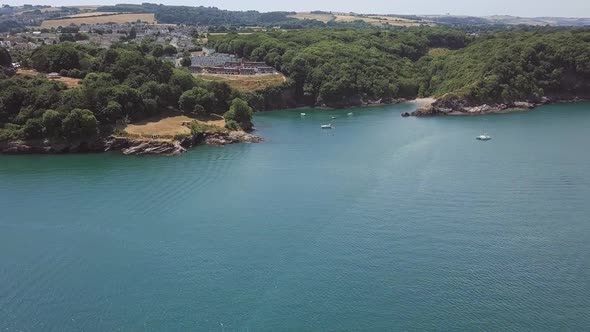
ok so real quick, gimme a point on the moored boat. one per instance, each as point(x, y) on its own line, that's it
point(483, 137)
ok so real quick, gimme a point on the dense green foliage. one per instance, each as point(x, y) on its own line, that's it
point(325, 66)
point(120, 84)
point(221, 20)
point(206, 15)
point(510, 66)
point(333, 65)
point(11, 26)
point(338, 66)
point(239, 115)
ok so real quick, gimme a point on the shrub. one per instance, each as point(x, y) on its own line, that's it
point(232, 125)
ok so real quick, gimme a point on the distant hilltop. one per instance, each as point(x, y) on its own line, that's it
point(412, 20)
point(12, 17)
point(511, 20)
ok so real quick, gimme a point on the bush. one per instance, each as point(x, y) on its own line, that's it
point(232, 125)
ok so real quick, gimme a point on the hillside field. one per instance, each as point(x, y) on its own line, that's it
point(117, 18)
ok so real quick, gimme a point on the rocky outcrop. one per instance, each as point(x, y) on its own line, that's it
point(128, 145)
point(454, 106)
point(131, 146)
point(223, 138)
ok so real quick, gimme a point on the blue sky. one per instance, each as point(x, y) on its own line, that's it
point(527, 8)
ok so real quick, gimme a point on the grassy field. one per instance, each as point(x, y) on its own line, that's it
point(309, 16)
point(170, 124)
point(117, 18)
point(70, 82)
point(246, 83)
point(371, 19)
point(436, 52)
point(90, 14)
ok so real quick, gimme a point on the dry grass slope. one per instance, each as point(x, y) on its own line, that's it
point(247, 83)
point(68, 81)
point(170, 124)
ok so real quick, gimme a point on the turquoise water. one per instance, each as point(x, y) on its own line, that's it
point(383, 223)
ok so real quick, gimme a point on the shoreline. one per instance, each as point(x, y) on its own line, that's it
point(459, 109)
point(138, 146)
point(129, 145)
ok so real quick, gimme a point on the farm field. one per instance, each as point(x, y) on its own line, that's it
point(311, 16)
point(90, 14)
point(117, 18)
point(371, 19)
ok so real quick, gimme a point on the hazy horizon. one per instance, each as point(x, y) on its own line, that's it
point(525, 8)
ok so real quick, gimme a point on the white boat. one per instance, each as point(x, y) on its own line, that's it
point(349, 114)
point(333, 117)
point(483, 137)
point(303, 114)
point(327, 126)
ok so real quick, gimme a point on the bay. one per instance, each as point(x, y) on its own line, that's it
point(382, 223)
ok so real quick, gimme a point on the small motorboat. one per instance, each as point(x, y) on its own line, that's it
point(333, 117)
point(350, 114)
point(303, 114)
point(483, 137)
point(327, 126)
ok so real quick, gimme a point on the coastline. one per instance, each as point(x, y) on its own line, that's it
point(460, 108)
point(129, 145)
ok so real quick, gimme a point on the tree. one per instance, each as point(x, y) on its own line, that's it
point(132, 33)
point(52, 123)
point(33, 128)
point(170, 50)
point(241, 113)
point(186, 62)
point(80, 124)
point(197, 100)
point(5, 58)
point(113, 111)
point(66, 37)
point(158, 50)
point(187, 101)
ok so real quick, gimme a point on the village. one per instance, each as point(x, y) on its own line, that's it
point(46, 25)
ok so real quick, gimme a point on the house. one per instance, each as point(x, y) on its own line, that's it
point(248, 64)
point(196, 69)
point(223, 70)
point(247, 71)
point(265, 70)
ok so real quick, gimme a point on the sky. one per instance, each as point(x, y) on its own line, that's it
point(525, 8)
